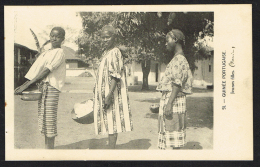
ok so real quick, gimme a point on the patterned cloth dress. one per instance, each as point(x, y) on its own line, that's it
point(172, 132)
point(117, 118)
point(50, 86)
point(47, 109)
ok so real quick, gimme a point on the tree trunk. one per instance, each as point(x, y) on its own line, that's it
point(146, 64)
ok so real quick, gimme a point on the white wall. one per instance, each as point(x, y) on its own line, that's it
point(137, 74)
point(73, 72)
point(152, 74)
point(130, 74)
point(203, 76)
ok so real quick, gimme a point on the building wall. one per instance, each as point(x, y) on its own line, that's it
point(138, 73)
point(203, 75)
point(23, 59)
point(152, 74)
point(74, 72)
point(136, 76)
point(72, 64)
point(130, 74)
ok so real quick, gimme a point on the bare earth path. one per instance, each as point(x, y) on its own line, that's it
point(72, 135)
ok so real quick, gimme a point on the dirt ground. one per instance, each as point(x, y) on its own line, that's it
point(72, 135)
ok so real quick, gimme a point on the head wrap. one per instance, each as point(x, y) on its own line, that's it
point(110, 29)
point(175, 33)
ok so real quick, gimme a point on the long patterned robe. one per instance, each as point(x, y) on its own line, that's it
point(117, 118)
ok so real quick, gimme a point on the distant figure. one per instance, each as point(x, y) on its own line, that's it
point(174, 85)
point(112, 113)
point(50, 71)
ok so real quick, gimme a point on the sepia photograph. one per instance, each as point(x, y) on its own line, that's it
point(115, 81)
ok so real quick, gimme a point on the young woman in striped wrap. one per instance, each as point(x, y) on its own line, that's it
point(112, 113)
point(50, 71)
point(174, 85)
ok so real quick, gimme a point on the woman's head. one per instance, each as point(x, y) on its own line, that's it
point(57, 36)
point(108, 34)
point(173, 38)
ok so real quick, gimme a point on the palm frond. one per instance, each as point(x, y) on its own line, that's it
point(36, 41)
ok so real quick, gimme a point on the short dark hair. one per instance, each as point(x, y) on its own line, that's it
point(60, 29)
point(111, 29)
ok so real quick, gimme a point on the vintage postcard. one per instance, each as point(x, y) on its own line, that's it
point(129, 82)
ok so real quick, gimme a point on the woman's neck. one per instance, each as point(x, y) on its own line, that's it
point(56, 47)
point(178, 49)
point(110, 48)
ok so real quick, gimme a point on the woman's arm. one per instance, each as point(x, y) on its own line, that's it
point(113, 84)
point(21, 85)
point(45, 72)
point(175, 90)
point(108, 99)
point(115, 70)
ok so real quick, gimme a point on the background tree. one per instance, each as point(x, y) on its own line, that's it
point(143, 35)
point(194, 25)
point(89, 38)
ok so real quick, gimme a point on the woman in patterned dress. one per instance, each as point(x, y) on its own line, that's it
point(174, 85)
point(50, 70)
point(112, 113)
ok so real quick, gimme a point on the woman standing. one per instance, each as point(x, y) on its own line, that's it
point(112, 113)
point(174, 85)
point(50, 71)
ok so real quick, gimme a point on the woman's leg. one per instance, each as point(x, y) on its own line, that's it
point(49, 142)
point(112, 140)
point(49, 118)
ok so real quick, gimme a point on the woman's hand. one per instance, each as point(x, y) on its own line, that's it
point(20, 89)
point(108, 101)
point(168, 109)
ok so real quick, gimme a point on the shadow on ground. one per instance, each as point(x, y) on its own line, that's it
point(199, 90)
point(199, 111)
point(149, 100)
point(151, 115)
point(192, 145)
point(142, 144)
point(138, 88)
point(152, 88)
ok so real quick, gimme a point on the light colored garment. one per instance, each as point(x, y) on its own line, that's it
point(177, 72)
point(54, 60)
point(47, 110)
point(118, 117)
point(172, 132)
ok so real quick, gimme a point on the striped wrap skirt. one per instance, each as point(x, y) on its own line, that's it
point(47, 110)
point(172, 130)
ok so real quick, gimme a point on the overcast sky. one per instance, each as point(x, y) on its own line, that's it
point(41, 20)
